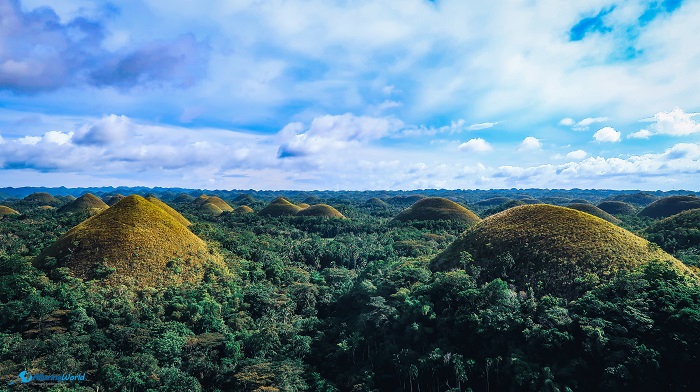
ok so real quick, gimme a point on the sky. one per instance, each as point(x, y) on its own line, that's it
point(350, 94)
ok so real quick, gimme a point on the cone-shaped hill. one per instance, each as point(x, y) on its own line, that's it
point(41, 197)
point(437, 208)
point(617, 207)
point(138, 241)
point(86, 203)
point(547, 248)
point(201, 199)
point(217, 202)
point(595, 211)
point(671, 205)
point(171, 211)
point(677, 232)
point(280, 207)
point(376, 202)
point(243, 210)
point(321, 210)
point(5, 210)
point(114, 199)
point(304, 205)
point(312, 200)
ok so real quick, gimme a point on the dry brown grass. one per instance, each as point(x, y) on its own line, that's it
point(5, 210)
point(279, 207)
point(243, 210)
point(144, 245)
point(548, 248)
point(321, 210)
point(41, 197)
point(595, 211)
point(437, 208)
point(85, 203)
point(171, 211)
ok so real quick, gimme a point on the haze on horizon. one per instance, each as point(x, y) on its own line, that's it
point(350, 95)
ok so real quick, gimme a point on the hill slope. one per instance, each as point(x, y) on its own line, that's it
point(41, 197)
point(671, 205)
point(436, 208)
point(279, 207)
point(677, 232)
point(321, 210)
point(548, 247)
point(5, 210)
point(142, 243)
point(85, 203)
point(171, 211)
point(617, 207)
point(595, 211)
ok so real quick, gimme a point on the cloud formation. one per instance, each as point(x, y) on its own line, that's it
point(530, 143)
point(607, 134)
point(475, 145)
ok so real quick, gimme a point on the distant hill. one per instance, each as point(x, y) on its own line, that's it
point(243, 210)
point(312, 200)
point(244, 199)
point(321, 210)
point(376, 202)
point(548, 248)
point(114, 199)
point(493, 201)
point(671, 205)
point(640, 199)
point(42, 198)
point(404, 200)
point(218, 202)
point(617, 208)
point(677, 232)
point(436, 208)
point(86, 203)
point(183, 198)
point(595, 211)
point(303, 205)
point(279, 207)
point(134, 242)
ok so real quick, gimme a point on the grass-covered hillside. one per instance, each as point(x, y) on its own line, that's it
point(671, 205)
point(547, 248)
point(437, 208)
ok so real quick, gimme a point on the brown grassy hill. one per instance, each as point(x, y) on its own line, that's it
point(436, 208)
point(5, 210)
point(142, 243)
point(548, 248)
point(595, 211)
point(243, 210)
point(114, 199)
point(46, 208)
point(69, 198)
point(617, 208)
point(201, 199)
point(171, 211)
point(671, 205)
point(322, 210)
point(376, 202)
point(303, 205)
point(41, 197)
point(279, 207)
point(639, 199)
point(217, 201)
point(85, 203)
point(312, 200)
point(211, 209)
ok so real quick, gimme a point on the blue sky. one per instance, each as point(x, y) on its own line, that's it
point(325, 94)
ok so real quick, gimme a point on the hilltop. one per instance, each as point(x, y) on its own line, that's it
point(213, 205)
point(114, 199)
point(617, 207)
point(677, 232)
point(376, 202)
point(640, 199)
point(42, 197)
point(321, 210)
point(5, 210)
point(548, 248)
point(595, 211)
point(134, 242)
point(279, 207)
point(671, 205)
point(436, 208)
point(86, 203)
point(243, 210)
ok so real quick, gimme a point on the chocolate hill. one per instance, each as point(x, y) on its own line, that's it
point(436, 208)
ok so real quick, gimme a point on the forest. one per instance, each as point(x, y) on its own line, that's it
point(527, 290)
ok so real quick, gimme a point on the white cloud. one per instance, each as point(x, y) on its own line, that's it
point(107, 130)
point(675, 123)
point(57, 137)
point(576, 154)
point(530, 143)
point(607, 134)
point(31, 140)
point(567, 122)
point(332, 133)
point(479, 126)
point(642, 134)
point(475, 145)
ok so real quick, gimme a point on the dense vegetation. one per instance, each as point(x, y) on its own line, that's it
point(308, 303)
